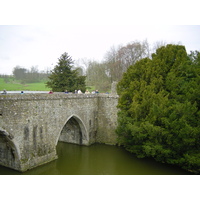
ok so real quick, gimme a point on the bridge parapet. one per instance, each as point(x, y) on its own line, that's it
point(56, 95)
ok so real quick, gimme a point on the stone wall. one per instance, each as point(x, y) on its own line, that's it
point(107, 119)
point(32, 124)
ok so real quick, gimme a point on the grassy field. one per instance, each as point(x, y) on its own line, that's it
point(13, 85)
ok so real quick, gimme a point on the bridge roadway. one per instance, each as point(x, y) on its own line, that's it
point(32, 124)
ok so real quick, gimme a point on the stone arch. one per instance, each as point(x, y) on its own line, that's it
point(9, 154)
point(74, 131)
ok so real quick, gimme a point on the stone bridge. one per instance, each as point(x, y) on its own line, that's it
point(32, 124)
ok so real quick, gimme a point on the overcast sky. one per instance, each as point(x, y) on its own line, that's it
point(86, 29)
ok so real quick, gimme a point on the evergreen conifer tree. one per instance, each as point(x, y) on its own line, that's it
point(159, 106)
point(63, 77)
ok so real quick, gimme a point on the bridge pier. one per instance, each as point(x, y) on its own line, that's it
point(31, 125)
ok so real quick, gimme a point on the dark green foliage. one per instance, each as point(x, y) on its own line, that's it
point(63, 77)
point(160, 107)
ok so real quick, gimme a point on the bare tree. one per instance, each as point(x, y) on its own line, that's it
point(119, 59)
point(113, 64)
point(157, 45)
point(81, 66)
point(97, 76)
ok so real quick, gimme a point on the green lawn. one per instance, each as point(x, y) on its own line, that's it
point(13, 85)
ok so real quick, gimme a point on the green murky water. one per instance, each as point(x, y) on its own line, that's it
point(98, 159)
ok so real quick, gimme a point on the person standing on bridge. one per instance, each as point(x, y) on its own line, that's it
point(4, 92)
point(50, 92)
point(87, 92)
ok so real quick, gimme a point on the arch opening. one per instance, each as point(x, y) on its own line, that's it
point(73, 132)
point(8, 152)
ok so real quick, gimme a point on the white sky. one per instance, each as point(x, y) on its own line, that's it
point(36, 33)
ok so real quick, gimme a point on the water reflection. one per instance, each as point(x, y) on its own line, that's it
point(98, 159)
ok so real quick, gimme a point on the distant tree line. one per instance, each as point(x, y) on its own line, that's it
point(29, 76)
point(5, 76)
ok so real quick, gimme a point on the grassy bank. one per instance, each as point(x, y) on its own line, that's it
point(14, 85)
point(10, 84)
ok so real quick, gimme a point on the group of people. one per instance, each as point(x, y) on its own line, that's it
point(5, 92)
point(76, 92)
point(86, 92)
point(79, 92)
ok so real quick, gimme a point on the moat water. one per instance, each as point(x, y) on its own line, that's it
point(98, 159)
